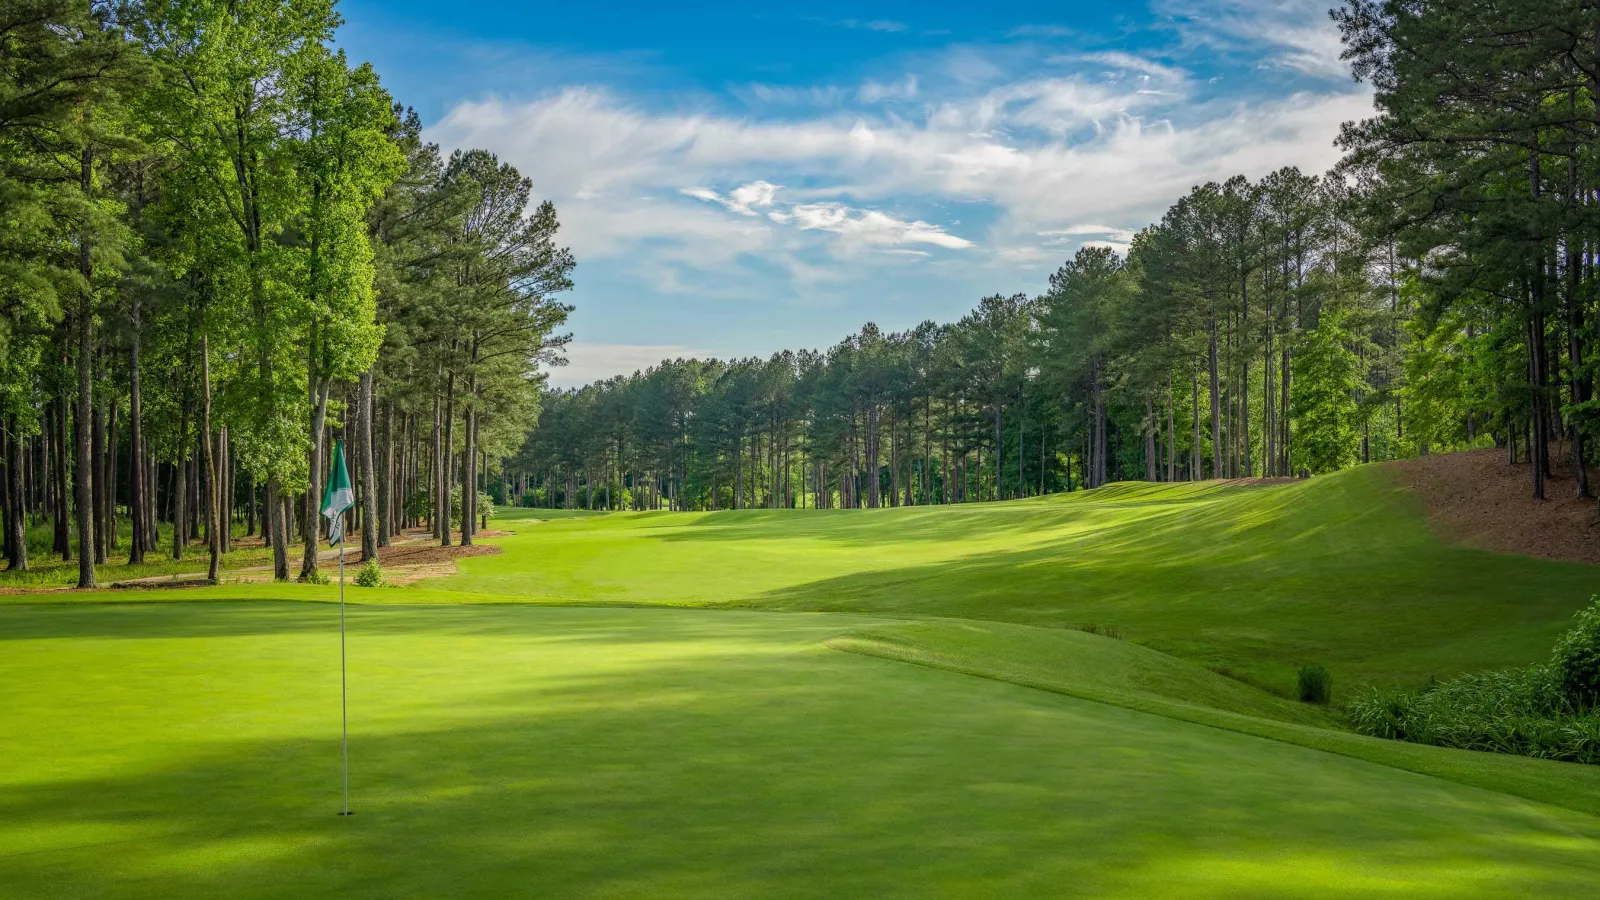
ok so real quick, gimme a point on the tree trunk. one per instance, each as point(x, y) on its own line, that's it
point(16, 524)
point(310, 531)
point(385, 480)
point(97, 464)
point(213, 492)
point(83, 462)
point(1216, 406)
point(1150, 439)
point(364, 468)
point(180, 488)
point(445, 469)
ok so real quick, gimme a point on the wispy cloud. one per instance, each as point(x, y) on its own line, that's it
point(871, 227)
point(1291, 34)
point(858, 227)
point(587, 362)
point(744, 200)
point(885, 25)
point(1016, 149)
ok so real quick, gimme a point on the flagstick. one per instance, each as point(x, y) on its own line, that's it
point(344, 694)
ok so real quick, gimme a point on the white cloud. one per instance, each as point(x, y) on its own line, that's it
point(1116, 59)
point(1296, 34)
point(859, 227)
point(1035, 157)
point(877, 92)
point(1121, 249)
point(1061, 235)
point(872, 228)
point(743, 200)
point(587, 362)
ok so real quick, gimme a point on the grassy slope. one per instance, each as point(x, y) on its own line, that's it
point(1339, 570)
point(191, 750)
point(1114, 672)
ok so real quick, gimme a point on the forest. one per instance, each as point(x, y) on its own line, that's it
point(226, 246)
point(1434, 291)
point(222, 247)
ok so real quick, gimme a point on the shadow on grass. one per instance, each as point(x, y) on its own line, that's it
point(734, 774)
point(243, 618)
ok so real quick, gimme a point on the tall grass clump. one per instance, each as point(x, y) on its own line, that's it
point(1314, 685)
point(1550, 711)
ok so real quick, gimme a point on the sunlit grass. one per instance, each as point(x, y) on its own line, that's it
point(503, 745)
point(188, 750)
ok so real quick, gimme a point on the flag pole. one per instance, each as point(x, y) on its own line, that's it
point(344, 694)
point(337, 500)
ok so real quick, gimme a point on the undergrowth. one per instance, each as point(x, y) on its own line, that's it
point(1548, 710)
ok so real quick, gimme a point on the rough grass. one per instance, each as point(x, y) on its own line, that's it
point(48, 570)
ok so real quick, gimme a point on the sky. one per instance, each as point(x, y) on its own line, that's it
point(739, 178)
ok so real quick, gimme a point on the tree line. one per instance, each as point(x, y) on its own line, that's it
point(1435, 290)
point(223, 246)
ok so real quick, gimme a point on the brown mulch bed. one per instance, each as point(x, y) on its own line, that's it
point(1478, 499)
point(420, 554)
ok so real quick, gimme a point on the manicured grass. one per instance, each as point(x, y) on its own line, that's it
point(532, 726)
point(1340, 571)
point(191, 749)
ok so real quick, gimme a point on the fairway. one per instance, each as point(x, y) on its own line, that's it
point(803, 703)
point(1341, 570)
point(191, 750)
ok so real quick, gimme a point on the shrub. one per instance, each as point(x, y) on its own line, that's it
point(1314, 684)
point(370, 575)
point(317, 576)
point(1576, 659)
point(485, 506)
point(1382, 713)
point(1521, 711)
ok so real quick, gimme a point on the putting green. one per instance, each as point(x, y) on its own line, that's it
point(191, 749)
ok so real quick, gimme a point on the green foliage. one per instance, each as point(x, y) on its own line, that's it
point(370, 575)
point(1313, 684)
point(1547, 711)
point(1323, 405)
point(1576, 660)
point(485, 505)
point(315, 576)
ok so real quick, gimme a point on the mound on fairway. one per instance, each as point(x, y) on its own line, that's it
point(192, 750)
point(1258, 580)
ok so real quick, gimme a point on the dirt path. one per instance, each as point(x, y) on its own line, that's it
point(411, 558)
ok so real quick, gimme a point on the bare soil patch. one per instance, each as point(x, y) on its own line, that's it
point(1477, 499)
point(417, 553)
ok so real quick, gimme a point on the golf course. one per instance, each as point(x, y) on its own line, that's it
point(974, 700)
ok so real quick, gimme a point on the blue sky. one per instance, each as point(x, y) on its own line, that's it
point(737, 178)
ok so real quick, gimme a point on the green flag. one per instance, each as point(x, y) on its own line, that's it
point(338, 497)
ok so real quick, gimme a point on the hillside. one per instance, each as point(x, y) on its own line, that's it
point(902, 698)
point(1256, 580)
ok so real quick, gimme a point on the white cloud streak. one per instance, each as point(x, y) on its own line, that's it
point(588, 362)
